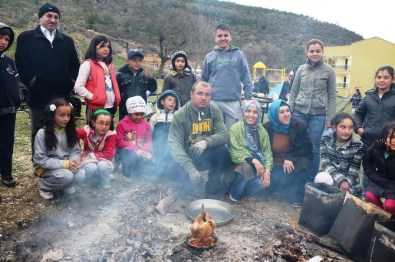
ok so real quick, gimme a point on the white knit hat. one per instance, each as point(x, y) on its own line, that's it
point(136, 104)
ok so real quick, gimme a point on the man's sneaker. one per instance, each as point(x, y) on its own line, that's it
point(232, 199)
point(9, 182)
point(45, 194)
point(69, 190)
point(296, 204)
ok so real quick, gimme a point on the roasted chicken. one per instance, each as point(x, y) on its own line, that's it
point(203, 226)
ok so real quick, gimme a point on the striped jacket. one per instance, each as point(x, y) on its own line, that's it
point(342, 163)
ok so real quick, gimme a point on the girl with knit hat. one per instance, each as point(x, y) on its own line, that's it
point(292, 152)
point(134, 140)
point(180, 79)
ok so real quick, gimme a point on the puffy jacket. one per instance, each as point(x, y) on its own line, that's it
point(373, 113)
point(181, 83)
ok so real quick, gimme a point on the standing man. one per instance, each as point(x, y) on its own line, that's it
point(225, 68)
point(47, 62)
point(197, 139)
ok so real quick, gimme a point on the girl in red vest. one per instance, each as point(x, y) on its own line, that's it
point(96, 80)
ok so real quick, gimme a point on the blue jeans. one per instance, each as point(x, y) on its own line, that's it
point(240, 187)
point(291, 184)
point(315, 127)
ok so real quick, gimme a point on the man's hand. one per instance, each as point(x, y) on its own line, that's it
point(194, 176)
point(198, 148)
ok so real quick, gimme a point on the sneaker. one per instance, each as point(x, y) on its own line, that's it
point(45, 194)
point(69, 190)
point(111, 177)
point(9, 182)
point(127, 179)
point(232, 199)
point(296, 204)
point(105, 184)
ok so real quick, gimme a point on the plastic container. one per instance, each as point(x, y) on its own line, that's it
point(321, 205)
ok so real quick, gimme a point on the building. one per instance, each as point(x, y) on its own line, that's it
point(356, 64)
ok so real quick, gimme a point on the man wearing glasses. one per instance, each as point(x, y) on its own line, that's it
point(197, 140)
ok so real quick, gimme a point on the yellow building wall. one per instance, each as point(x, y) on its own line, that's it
point(364, 58)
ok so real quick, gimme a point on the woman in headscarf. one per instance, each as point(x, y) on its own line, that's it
point(292, 152)
point(249, 149)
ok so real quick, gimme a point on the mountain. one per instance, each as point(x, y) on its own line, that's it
point(160, 27)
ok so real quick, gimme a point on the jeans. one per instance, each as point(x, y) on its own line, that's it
point(315, 126)
point(241, 187)
point(291, 184)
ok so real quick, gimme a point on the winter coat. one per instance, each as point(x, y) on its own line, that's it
point(301, 151)
point(190, 126)
point(142, 138)
point(56, 158)
point(225, 71)
point(238, 149)
point(48, 70)
point(380, 171)
point(342, 163)
point(160, 123)
point(10, 99)
point(102, 149)
point(313, 91)
point(181, 83)
point(133, 85)
point(373, 113)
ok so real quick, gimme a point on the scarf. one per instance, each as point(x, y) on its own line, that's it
point(273, 114)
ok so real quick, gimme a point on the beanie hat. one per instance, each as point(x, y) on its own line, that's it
point(48, 8)
point(136, 104)
point(178, 54)
point(135, 52)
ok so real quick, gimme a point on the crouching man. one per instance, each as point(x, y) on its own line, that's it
point(197, 139)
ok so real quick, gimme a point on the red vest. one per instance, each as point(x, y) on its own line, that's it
point(96, 85)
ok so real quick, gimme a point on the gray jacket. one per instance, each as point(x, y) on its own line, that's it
point(53, 159)
point(225, 71)
point(313, 91)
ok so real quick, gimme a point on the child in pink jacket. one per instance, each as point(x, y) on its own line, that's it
point(134, 141)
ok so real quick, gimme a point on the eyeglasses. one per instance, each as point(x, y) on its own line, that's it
point(101, 123)
point(203, 94)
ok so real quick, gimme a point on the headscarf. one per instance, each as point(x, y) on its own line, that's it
point(252, 128)
point(273, 114)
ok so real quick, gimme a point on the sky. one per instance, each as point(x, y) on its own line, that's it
point(367, 18)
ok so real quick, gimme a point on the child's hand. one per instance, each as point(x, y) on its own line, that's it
point(74, 165)
point(130, 136)
point(144, 154)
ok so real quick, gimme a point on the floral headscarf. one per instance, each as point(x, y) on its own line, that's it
point(273, 113)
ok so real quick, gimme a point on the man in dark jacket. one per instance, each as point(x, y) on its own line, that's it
point(133, 80)
point(9, 102)
point(47, 62)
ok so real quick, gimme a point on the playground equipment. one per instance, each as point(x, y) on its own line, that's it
point(273, 76)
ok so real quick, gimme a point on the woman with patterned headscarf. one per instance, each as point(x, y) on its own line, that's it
point(292, 152)
point(249, 149)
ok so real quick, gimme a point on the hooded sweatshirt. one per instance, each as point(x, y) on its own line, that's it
point(225, 70)
point(9, 98)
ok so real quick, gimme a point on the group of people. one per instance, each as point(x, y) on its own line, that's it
point(205, 124)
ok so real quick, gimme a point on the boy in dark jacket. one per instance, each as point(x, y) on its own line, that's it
point(133, 80)
point(9, 102)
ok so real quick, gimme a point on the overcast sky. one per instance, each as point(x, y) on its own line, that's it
point(367, 18)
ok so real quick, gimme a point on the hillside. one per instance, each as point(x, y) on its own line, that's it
point(160, 27)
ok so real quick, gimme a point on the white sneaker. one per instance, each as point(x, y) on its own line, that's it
point(232, 199)
point(45, 194)
point(127, 179)
point(69, 191)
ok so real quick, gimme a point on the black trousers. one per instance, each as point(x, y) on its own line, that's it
point(7, 130)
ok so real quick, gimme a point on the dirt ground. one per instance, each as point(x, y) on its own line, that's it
point(122, 224)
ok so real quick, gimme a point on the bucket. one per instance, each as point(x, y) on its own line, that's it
point(382, 244)
point(353, 227)
point(321, 205)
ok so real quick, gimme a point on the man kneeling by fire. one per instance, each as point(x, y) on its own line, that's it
point(197, 139)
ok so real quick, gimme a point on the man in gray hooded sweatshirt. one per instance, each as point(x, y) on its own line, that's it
point(225, 68)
